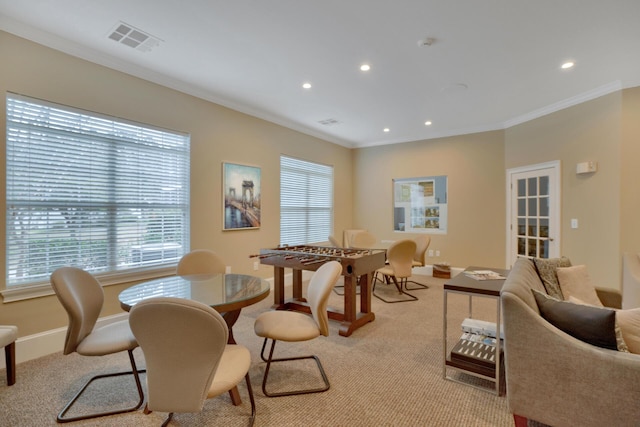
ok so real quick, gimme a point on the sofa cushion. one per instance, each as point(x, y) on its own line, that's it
point(593, 325)
point(629, 322)
point(575, 282)
point(546, 268)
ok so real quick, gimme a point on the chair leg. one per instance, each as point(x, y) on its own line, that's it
point(418, 287)
point(136, 376)
point(251, 399)
point(400, 286)
point(168, 420)
point(294, 392)
point(10, 359)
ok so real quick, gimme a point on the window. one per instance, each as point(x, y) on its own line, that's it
point(91, 191)
point(306, 201)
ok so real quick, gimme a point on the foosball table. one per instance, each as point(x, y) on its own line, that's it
point(358, 266)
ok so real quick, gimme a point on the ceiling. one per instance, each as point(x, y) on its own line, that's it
point(466, 65)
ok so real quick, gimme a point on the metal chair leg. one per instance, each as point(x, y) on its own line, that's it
point(270, 360)
point(134, 371)
point(251, 399)
point(168, 420)
point(420, 286)
point(401, 287)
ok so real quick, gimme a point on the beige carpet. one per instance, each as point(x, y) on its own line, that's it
point(388, 373)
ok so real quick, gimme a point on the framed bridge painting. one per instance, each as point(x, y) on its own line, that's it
point(241, 196)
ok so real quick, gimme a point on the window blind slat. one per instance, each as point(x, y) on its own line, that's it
point(306, 201)
point(92, 191)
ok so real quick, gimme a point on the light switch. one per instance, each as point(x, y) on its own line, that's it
point(574, 223)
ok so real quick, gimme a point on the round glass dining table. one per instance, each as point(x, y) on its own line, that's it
point(226, 293)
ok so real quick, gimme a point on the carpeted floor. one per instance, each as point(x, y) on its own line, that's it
point(388, 373)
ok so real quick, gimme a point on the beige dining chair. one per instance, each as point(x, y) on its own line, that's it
point(347, 235)
point(291, 326)
point(8, 336)
point(363, 240)
point(200, 261)
point(398, 270)
point(422, 244)
point(82, 297)
point(184, 343)
point(334, 242)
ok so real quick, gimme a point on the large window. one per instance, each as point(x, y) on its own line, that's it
point(91, 191)
point(306, 201)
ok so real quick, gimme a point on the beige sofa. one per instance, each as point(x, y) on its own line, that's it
point(558, 380)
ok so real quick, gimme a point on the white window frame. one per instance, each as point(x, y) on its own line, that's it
point(306, 201)
point(97, 192)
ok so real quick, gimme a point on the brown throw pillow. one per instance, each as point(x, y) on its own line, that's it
point(546, 268)
point(593, 325)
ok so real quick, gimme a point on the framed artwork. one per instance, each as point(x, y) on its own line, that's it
point(420, 205)
point(241, 196)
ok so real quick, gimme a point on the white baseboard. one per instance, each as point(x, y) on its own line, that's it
point(427, 270)
point(48, 342)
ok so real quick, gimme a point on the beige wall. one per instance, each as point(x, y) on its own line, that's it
point(589, 131)
point(474, 166)
point(630, 172)
point(217, 134)
point(606, 203)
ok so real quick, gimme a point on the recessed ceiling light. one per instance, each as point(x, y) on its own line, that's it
point(365, 67)
point(306, 85)
point(567, 65)
point(427, 123)
point(386, 130)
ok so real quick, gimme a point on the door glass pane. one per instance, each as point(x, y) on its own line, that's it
point(522, 188)
point(533, 227)
point(522, 246)
point(544, 185)
point(522, 226)
point(522, 207)
point(544, 249)
point(544, 206)
point(532, 247)
point(544, 228)
point(533, 206)
point(533, 186)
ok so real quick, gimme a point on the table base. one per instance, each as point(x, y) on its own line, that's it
point(350, 318)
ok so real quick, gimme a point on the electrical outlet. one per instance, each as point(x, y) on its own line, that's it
point(227, 269)
point(430, 252)
point(256, 265)
point(437, 253)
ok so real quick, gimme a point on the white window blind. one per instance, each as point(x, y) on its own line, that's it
point(306, 201)
point(91, 191)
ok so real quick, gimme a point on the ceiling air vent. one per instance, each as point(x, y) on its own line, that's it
point(129, 35)
point(329, 122)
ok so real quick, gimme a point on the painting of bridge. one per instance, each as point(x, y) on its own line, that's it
point(241, 190)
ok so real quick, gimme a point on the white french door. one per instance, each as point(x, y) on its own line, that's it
point(533, 212)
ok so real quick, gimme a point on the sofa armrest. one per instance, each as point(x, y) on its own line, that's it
point(610, 297)
point(558, 380)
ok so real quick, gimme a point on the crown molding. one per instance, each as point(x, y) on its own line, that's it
point(561, 105)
